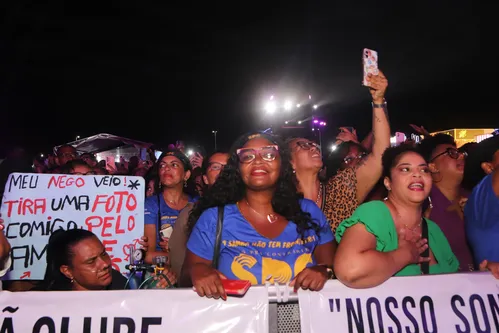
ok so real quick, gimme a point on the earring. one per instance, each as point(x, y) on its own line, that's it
point(431, 205)
point(72, 280)
point(388, 189)
point(294, 171)
point(185, 183)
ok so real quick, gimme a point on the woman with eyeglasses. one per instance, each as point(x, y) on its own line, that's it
point(350, 186)
point(306, 160)
point(211, 168)
point(387, 238)
point(270, 233)
point(444, 205)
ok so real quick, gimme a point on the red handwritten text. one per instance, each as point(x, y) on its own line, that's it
point(115, 202)
point(26, 206)
point(66, 181)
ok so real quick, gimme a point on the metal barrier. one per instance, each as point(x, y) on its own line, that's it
point(284, 312)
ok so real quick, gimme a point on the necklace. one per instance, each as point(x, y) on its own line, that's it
point(413, 229)
point(319, 194)
point(270, 217)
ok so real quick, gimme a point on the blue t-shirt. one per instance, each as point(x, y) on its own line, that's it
point(247, 255)
point(168, 214)
point(482, 221)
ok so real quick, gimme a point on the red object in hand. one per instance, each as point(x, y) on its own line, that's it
point(236, 287)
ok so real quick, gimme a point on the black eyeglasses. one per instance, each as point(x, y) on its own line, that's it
point(248, 155)
point(350, 159)
point(452, 152)
point(308, 145)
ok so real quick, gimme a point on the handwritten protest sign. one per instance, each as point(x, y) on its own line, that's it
point(35, 205)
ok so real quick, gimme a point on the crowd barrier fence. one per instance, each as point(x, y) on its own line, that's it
point(465, 302)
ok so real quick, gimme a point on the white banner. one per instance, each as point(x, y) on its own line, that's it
point(35, 205)
point(467, 302)
point(138, 311)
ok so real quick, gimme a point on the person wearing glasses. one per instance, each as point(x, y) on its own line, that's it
point(270, 232)
point(349, 187)
point(212, 166)
point(445, 203)
point(306, 160)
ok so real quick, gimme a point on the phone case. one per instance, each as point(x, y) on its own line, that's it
point(370, 63)
point(236, 287)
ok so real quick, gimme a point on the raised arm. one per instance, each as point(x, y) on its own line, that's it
point(369, 171)
point(358, 264)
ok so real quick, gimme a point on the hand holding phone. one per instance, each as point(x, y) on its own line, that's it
point(370, 64)
point(347, 134)
point(236, 288)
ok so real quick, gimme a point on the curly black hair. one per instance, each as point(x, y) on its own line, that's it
point(230, 188)
point(392, 156)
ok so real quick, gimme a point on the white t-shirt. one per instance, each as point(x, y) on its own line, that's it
point(6, 267)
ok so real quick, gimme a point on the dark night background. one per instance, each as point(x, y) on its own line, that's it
point(161, 72)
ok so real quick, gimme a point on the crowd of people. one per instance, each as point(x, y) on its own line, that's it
point(277, 210)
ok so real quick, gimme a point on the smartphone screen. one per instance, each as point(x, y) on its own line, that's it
point(370, 64)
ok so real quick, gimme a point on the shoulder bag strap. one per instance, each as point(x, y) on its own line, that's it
point(159, 216)
point(425, 266)
point(323, 206)
point(218, 239)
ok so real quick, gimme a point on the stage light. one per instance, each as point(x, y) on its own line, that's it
point(270, 107)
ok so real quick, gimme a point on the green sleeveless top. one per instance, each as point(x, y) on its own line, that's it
point(377, 219)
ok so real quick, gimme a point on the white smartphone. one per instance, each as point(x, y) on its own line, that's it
point(166, 232)
point(370, 64)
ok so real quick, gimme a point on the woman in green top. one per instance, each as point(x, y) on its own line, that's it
point(383, 238)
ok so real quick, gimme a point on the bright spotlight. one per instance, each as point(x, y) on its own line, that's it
point(286, 122)
point(313, 129)
point(333, 147)
point(270, 107)
point(298, 105)
point(315, 106)
point(190, 152)
point(299, 122)
point(288, 105)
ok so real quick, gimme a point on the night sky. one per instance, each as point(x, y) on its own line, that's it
point(161, 72)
